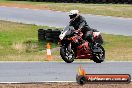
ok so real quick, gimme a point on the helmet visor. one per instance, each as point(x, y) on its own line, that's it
point(72, 16)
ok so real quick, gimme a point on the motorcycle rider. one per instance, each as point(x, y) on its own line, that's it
point(79, 23)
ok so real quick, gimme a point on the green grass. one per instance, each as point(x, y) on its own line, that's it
point(118, 47)
point(97, 9)
point(19, 42)
point(118, 10)
point(5, 0)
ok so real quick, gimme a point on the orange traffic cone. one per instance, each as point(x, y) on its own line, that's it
point(49, 57)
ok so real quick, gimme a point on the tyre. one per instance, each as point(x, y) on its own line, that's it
point(49, 39)
point(56, 38)
point(66, 55)
point(52, 35)
point(41, 34)
point(99, 56)
point(104, 1)
point(56, 32)
point(49, 31)
point(49, 35)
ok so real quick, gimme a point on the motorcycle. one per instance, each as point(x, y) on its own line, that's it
point(74, 47)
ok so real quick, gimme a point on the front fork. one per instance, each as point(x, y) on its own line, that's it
point(70, 47)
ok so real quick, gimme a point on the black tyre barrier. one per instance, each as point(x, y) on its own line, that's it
point(41, 34)
point(49, 35)
point(56, 32)
point(49, 31)
point(56, 37)
point(87, 1)
point(49, 39)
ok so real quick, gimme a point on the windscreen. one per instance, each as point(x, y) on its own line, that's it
point(68, 30)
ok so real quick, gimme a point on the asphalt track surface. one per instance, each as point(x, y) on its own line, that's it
point(24, 72)
point(105, 24)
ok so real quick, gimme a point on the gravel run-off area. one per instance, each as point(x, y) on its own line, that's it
point(64, 85)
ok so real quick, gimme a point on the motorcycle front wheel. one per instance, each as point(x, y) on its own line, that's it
point(67, 55)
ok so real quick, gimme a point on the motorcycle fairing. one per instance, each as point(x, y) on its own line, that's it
point(83, 51)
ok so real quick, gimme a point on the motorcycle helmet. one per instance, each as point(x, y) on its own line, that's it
point(73, 14)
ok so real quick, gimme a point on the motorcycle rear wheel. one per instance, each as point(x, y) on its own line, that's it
point(99, 57)
point(66, 55)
